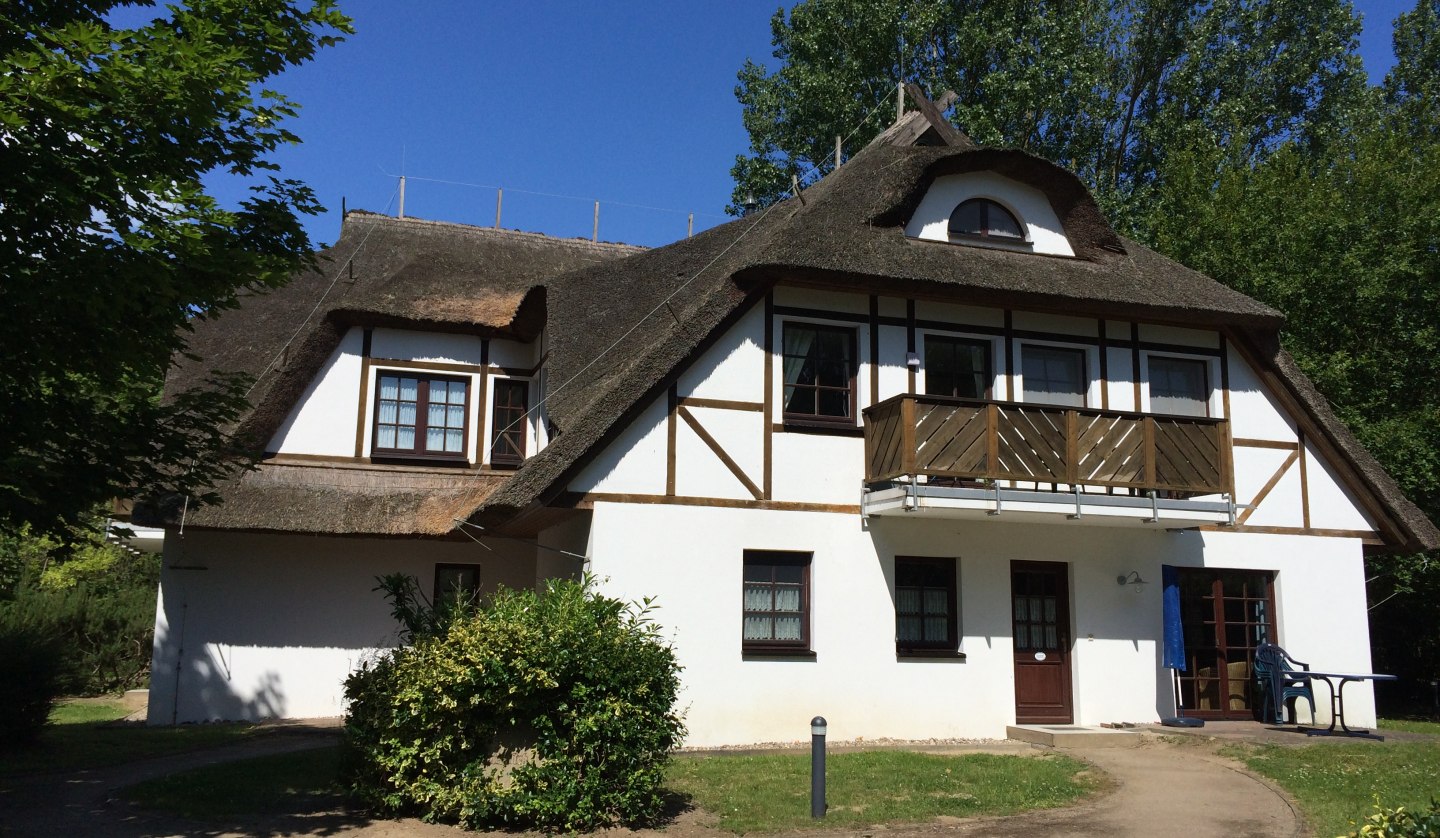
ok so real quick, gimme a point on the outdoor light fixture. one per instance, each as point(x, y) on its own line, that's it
point(912, 360)
point(1133, 578)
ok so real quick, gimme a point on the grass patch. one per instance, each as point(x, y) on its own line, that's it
point(75, 711)
point(83, 734)
point(772, 792)
point(1410, 726)
point(1336, 784)
point(299, 781)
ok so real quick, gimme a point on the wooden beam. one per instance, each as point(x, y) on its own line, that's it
point(724, 503)
point(721, 404)
point(725, 458)
point(1269, 485)
point(766, 484)
point(672, 402)
point(933, 115)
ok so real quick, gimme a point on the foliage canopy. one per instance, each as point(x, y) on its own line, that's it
point(110, 245)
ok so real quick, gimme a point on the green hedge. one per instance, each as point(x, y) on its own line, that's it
point(30, 680)
point(552, 710)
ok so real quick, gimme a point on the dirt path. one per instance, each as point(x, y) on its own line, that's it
point(1160, 789)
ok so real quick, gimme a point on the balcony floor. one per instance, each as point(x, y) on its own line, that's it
point(895, 499)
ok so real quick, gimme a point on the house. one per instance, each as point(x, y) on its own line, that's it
point(912, 450)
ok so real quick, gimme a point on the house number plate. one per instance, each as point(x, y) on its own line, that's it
point(1039, 656)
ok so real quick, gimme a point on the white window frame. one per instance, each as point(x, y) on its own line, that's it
point(1093, 381)
point(1215, 403)
point(997, 357)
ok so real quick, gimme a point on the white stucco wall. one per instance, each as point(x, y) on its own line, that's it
point(931, 220)
point(323, 421)
point(691, 559)
point(270, 625)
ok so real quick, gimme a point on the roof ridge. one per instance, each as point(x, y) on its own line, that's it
point(475, 229)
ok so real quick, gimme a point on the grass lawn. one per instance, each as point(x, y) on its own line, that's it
point(747, 793)
point(1336, 784)
point(772, 792)
point(83, 734)
point(1410, 726)
point(284, 782)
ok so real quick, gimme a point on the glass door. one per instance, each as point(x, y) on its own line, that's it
point(1225, 614)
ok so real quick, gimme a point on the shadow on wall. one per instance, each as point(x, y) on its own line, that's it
point(202, 687)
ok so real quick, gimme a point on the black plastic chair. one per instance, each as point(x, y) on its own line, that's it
point(1281, 691)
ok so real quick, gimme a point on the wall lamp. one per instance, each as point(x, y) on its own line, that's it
point(1132, 578)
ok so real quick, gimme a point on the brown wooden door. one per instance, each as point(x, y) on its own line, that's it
point(1225, 615)
point(1040, 605)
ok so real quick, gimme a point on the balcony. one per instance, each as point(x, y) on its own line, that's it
point(958, 457)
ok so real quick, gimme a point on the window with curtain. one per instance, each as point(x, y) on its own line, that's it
point(984, 218)
point(419, 415)
point(1053, 375)
point(819, 370)
point(957, 367)
point(776, 601)
point(1179, 386)
point(926, 616)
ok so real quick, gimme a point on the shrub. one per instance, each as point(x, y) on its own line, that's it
point(550, 710)
point(1400, 822)
point(30, 668)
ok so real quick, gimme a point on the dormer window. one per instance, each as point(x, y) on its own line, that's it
point(984, 218)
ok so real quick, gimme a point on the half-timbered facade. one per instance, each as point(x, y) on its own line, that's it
point(912, 450)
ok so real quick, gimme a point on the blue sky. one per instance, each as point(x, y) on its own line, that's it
point(629, 103)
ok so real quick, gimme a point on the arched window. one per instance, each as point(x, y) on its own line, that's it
point(984, 218)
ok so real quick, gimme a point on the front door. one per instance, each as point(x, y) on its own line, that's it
point(1040, 602)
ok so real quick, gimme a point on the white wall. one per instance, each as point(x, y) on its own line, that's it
point(270, 625)
point(931, 220)
point(691, 559)
point(323, 421)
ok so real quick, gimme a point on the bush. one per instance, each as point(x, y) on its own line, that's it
point(30, 668)
point(1400, 823)
point(550, 710)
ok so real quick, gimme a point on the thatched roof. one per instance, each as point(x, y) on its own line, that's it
point(620, 330)
point(341, 499)
point(382, 272)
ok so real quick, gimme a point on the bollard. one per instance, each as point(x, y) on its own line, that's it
point(817, 767)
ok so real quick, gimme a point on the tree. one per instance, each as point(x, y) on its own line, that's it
point(1106, 87)
point(110, 246)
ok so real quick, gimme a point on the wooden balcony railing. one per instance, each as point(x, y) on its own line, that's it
point(958, 438)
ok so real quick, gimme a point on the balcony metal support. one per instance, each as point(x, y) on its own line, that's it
point(1078, 514)
point(998, 505)
point(1154, 508)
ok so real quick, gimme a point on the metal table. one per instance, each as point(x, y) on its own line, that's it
point(1337, 697)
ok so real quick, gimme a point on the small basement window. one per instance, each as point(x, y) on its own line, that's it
point(986, 219)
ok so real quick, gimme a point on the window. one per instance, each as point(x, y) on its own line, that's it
point(1054, 375)
point(456, 583)
point(1179, 386)
point(957, 367)
point(986, 219)
point(508, 426)
point(776, 601)
point(925, 605)
point(419, 415)
point(819, 374)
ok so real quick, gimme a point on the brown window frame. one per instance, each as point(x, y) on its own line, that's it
point(473, 593)
point(951, 642)
point(817, 419)
point(773, 559)
point(986, 231)
point(986, 346)
point(516, 434)
point(422, 405)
